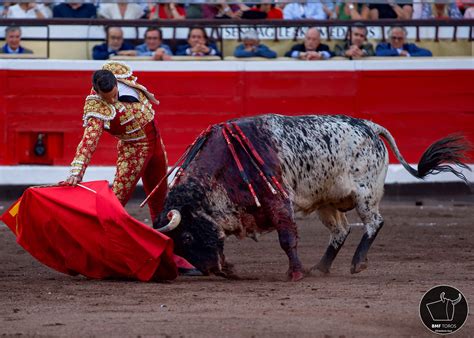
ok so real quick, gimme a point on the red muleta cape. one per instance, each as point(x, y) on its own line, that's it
point(85, 230)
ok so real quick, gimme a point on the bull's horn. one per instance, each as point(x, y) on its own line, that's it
point(175, 217)
point(457, 300)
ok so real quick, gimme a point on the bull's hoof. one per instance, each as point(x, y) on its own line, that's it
point(226, 274)
point(356, 268)
point(322, 268)
point(229, 272)
point(295, 276)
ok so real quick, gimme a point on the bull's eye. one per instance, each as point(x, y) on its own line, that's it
point(187, 238)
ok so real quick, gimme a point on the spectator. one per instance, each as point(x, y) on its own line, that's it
point(114, 45)
point(463, 5)
point(28, 10)
point(398, 46)
point(312, 10)
point(311, 49)
point(198, 44)
point(390, 10)
point(469, 13)
point(4, 9)
point(167, 11)
point(251, 47)
point(352, 11)
point(224, 11)
point(121, 11)
point(416, 10)
point(13, 42)
point(356, 46)
point(263, 10)
point(144, 4)
point(154, 45)
point(74, 10)
point(440, 11)
point(194, 11)
point(210, 11)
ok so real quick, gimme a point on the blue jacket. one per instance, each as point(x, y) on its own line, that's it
point(386, 49)
point(142, 50)
point(300, 48)
point(102, 52)
point(182, 50)
point(261, 51)
point(21, 50)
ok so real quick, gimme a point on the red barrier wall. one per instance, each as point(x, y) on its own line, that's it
point(416, 106)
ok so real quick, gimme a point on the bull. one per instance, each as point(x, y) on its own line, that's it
point(326, 164)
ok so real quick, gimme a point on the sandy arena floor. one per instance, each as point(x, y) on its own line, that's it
point(418, 248)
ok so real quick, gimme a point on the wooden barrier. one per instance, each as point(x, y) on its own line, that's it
point(417, 100)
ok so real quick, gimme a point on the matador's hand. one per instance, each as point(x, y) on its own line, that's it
point(73, 180)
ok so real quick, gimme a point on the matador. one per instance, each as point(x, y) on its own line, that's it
point(119, 105)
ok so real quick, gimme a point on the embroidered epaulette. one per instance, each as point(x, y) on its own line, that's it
point(120, 69)
point(98, 108)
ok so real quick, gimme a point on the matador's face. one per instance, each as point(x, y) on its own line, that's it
point(110, 97)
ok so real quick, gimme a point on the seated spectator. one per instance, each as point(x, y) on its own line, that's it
point(263, 11)
point(194, 11)
point(440, 11)
point(308, 10)
point(167, 11)
point(154, 45)
point(352, 11)
point(356, 46)
point(251, 47)
point(74, 10)
point(416, 13)
point(311, 49)
point(198, 44)
point(469, 13)
point(390, 10)
point(224, 11)
point(398, 46)
point(13, 42)
point(28, 10)
point(121, 11)
point(114, 45)
point(4, 9)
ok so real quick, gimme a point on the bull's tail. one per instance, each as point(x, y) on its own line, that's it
point(445, 155)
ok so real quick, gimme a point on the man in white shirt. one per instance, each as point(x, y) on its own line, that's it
point(28, 10)
point(308, 10)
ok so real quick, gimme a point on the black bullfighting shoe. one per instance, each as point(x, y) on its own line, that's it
point(189, 272)
point(185, 268)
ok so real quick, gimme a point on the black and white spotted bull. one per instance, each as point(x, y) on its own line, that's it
point(327, 164)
